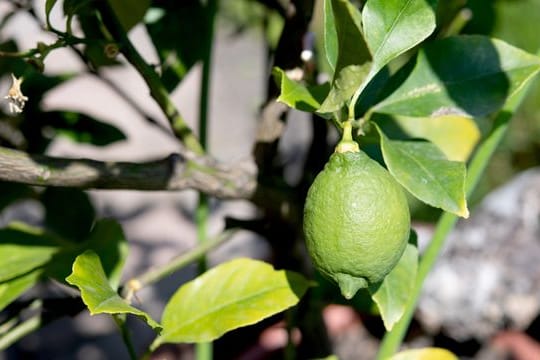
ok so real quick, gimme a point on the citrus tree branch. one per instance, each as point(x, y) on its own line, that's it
point(175, 172)
point(157, 90)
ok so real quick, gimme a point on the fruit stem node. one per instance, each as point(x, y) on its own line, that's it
point(347, 143)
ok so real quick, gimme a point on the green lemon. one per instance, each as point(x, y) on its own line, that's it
point(356, 221)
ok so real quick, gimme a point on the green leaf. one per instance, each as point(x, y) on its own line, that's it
point(345, 83)
point(107, 240)
point(330, 35)
point(463, 75)
point(83, 128)
point(96, 292)
point(352, 49)
point(425, 172)
point(68, 212)
point(12, 289)
point(11, 192)
point(392, 27)
point(352, 55)
point(74, 7)
point(129, 12)
point(392, 295)
point(172, 21)
point(28, 253)
point(23, 249)
point(298, 96)
point(425, 354)
point(455, 135)
point(237, 293)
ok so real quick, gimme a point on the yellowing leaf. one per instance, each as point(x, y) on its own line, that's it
point(455, 135)
point(425, 354)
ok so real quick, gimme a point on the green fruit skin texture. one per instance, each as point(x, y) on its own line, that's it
point(356, 221)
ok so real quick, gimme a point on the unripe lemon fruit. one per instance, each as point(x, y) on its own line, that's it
point(356, 221)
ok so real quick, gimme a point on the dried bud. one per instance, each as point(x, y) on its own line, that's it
point(111, 50)
point(15, 97)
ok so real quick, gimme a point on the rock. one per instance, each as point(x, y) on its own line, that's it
point(488, 276)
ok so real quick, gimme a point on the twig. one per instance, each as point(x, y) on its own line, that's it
point(157, 89)
point(156, 274)
point(28, 326)
point(121, 93)
point(204, 350)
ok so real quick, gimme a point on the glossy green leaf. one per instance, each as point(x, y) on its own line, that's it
point(345, 83)
point(392, 27)
point(463, 75)
point(107, 240)
point(96, 292)
point(455, 135)
point(129, 12)
point(392, 295)
point(351, 46)
point(12, 289)
point(237, 293)
point(330, 35)
point(424, 171)
point(24, 248)
point(352, 55)
point(298, 96)
point(425, 354)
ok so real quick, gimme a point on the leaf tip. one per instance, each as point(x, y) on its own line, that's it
point(464, 213)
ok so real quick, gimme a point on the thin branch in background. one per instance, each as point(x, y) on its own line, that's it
point(92, 71)
point(121, 93)
point(156, 274)
point(204, 350)
point(157, 90)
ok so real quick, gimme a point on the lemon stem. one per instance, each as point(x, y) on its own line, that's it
point(347, 143)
